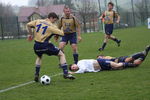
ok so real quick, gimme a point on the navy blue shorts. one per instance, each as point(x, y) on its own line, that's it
point(71, 37)
point(109, 29)
point(105, 64)
point(122, 59)
point(45, 48)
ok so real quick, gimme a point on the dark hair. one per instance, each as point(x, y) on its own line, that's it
point(70, 67)
point(111, 3)
point(53, 15)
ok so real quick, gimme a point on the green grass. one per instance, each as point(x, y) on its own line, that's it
point(17, 66)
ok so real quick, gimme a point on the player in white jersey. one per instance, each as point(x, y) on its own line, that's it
point(109, 63)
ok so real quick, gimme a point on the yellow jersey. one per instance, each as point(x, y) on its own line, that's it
point(44, 30)
point(109, 16)
point(68, 25)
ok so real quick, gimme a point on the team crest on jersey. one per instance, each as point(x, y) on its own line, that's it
point(68, 25)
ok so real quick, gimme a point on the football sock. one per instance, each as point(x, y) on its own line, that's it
point(37, 69)
point(104, 45)
point(127, 65)
point(138, 55)
point(146, 51)
point(75, 56)
point(65, 70)
point(116, 40)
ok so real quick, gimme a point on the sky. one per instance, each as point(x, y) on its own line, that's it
point(15, 2)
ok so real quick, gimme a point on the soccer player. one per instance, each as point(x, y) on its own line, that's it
point(136, 58)
point(71, 27)
point(109, 17)
point(108, 63)
point(44, 29)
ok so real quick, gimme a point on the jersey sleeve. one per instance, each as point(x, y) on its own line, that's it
point(77, 23)
point(32, 23)
point(60, 23)
point(54, 29)
point(103, 14)
point(116, 14)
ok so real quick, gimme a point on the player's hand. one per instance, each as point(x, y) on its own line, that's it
point(56, 37)
point(101, 18)
point(29, 38)
point(117, 21)
point(71, 72)
point(79, 38)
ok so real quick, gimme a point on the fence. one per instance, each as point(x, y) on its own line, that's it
point(11, 28)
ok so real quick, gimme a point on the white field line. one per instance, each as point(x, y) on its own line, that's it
point(24, 84)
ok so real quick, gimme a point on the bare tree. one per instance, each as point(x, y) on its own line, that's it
point(87, 13)
point(6, 10)
point(40, 2)
point(141, 11)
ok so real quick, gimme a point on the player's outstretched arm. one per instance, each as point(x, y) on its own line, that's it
point(79, 34)
point(29, 27)
point(118, 18)
point(56, 31)
point(77, 23)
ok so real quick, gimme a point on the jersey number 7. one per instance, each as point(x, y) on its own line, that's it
point(39, 27)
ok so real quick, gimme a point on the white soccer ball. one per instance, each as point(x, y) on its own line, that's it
point(45, 80)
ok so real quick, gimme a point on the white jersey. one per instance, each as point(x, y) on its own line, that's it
point(86, 66)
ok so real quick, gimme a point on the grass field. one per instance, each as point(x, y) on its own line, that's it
point(17, 67)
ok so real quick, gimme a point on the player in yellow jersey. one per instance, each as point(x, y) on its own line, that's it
point(108, 17)
point(44, 29)
point(71, 28)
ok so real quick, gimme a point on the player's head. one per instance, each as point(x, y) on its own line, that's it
point(67, 11)
point(73, 67)
point(53, 17)
point(110, 6)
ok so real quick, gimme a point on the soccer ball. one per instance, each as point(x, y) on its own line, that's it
point(45, 80)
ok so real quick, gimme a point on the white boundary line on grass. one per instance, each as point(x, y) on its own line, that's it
point(24, 84)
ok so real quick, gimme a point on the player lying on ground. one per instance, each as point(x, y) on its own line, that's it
point(109, 63)
point(108, 17)
point(44, 29)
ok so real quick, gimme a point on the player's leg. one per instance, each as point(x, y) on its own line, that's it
point(104, 43)
point(141, 55)
point(73, 43)
point(64, 66)
point(115, 39)
point(116, 66)
point(52, 50)
point(63, 42)
point(38, 49)
point(121, 65)
point(37, 68)
point(75, 53)
point(62, 45)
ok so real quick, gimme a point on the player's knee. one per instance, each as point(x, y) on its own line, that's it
point(137, 63)
point(62, 45)
point(61, 53)
point(74, 48)
point(129, 59)
point(108, 36)
point(119, 65)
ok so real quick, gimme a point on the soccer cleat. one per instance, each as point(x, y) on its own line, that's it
point(147, 49)
point(36, 78)
point(119, 41)
point(68, 76)
point(100, 49)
